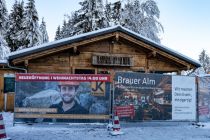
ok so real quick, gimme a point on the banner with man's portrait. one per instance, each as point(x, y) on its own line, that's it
point(62, 97)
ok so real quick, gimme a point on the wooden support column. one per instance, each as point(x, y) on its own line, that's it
point(26, 64)
point(75, 49)
point(117, 37)
point(188, 67)
point(70, 64)
point(146, 65)
point(148, 56)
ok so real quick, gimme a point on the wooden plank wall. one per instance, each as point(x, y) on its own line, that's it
point(1, 93)
point(66, 62)
point(10, 96)
point(10, 102)
point(56, 63)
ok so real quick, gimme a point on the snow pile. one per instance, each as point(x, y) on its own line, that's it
point(206, 125)
point(203, 125)
point(133, 131)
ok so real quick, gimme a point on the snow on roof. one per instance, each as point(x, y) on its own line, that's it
point(59, 42)
point(160, 46)
point(84, 36)
point(204, 75)
point(3, 61)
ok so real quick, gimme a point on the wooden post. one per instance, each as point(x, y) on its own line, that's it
point(70, 64)
point(146, 65)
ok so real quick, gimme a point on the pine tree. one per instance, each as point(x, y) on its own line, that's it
point(142, 18)
point(3, 18)
point(44, 34)
point(116, 10)
point(107, 13)
point(58, 33)
point(15, 26)
point(70, 30)
point(151, 27)
point(31, 35)
point(90, 16)
point(4, 49)
point(98, 20)
point(204, 59)
point(64, 30)
point(72, 20)
point(83, 24)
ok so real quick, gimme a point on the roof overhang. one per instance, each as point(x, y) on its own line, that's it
point(100, 34)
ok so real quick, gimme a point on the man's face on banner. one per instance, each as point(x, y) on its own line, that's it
point(67, 93)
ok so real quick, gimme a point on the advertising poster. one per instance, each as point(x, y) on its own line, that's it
point(183, 98)
point(62, 97)
point(139, 96)
point(204, 98)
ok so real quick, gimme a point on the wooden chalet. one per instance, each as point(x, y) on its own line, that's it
point(103, 51)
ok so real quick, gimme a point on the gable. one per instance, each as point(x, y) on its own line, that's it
point(116, 40)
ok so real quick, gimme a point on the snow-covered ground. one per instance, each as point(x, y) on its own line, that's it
point(132, 131)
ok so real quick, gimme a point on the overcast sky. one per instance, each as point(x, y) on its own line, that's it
point(186, 22)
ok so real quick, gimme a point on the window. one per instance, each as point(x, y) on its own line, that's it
point(84, 71)
point(111, 60)
point(9, 83)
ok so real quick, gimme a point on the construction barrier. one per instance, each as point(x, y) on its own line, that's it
point(116, 130)
point(3, 135)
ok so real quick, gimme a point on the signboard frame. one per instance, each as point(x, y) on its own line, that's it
point(99, 81)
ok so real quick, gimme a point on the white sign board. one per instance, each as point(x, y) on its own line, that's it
point(183, 98)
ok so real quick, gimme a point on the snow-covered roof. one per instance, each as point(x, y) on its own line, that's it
point(204, 75)
point(96, 33)
point(3, 61)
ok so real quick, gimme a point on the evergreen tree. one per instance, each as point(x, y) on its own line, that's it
point(44, 34)
point(3, 18)
point(30, 35)
point(138, 16)
point(58, 33)
point(15, 26)
point(151, 27)
point(83, 24)
point(107, 13)
point(205, 61)
point(4, 49)
point(98, 20)
point(131, 15)
point(116, 10)
point(142, 18)
point(72, 20)
point(90, 16)
point(68, 28)
point(64, 30)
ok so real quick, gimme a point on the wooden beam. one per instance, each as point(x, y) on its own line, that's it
point(75, 49)
point(61, 48)
point(152, 54)
point(146, 65)
point(26, 63)
point(71, 64)
point(153, 49)
point(117, 36)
